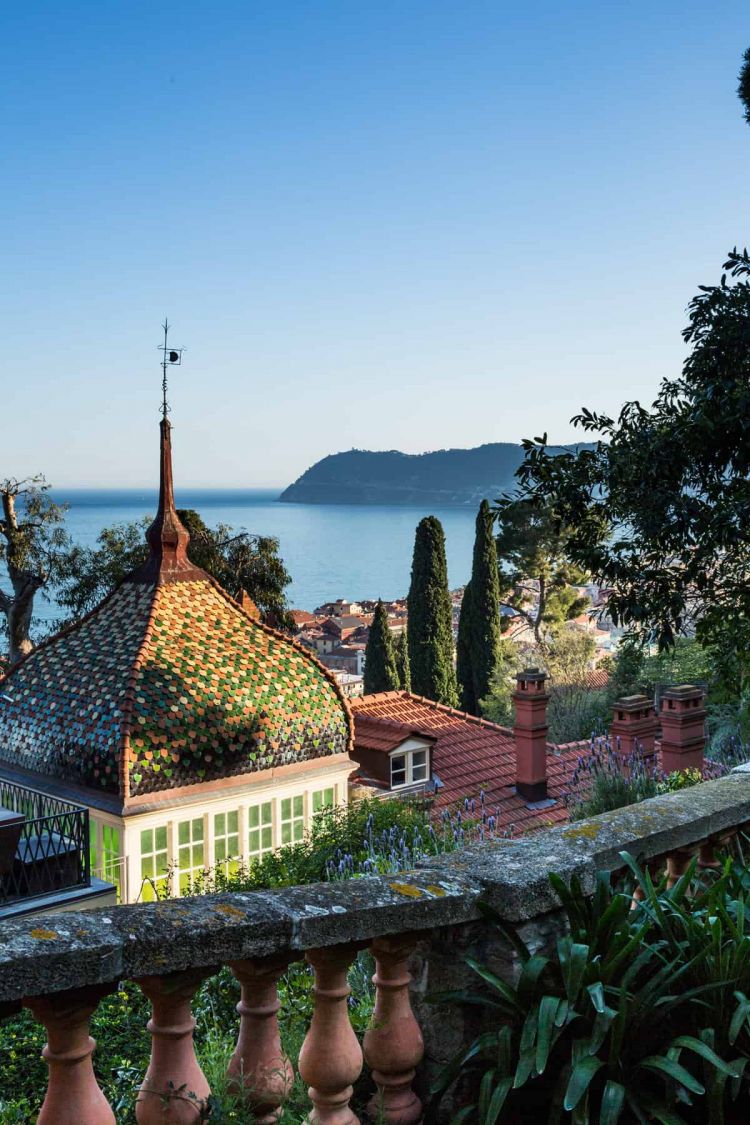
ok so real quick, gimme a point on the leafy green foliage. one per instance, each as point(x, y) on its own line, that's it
point(430, 636)
point(657, 511)
point(240, 562)
point(635, 1015)
point(536, 575)
point(381, 673)
point(32, 542)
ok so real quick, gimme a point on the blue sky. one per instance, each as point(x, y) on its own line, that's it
point(386, 225)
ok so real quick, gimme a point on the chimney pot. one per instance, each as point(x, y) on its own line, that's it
point(530, 734)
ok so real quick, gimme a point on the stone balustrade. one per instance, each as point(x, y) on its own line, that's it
point(418, 926)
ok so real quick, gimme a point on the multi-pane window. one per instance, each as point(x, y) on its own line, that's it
point(260, 829)
point(111, 857)
point(409, 768)
point(323, 799)
point(227, 841)
point(190, 853)
point(154, 863)
point(292, 819)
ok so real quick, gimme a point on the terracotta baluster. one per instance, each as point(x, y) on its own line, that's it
point(331, 1058)
point(259, 1069)
point(678, 862)
point(707, 859)
point(393, 1045)
point(174, 1089)
point(73, 1096)
point(653, 867)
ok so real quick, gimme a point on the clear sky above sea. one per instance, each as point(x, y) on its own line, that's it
point(398, 224)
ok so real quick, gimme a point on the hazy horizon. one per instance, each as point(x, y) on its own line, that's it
point(404, 226)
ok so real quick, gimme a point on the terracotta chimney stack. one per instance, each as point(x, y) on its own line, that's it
point(530, 734)
point(683, 730)
point(634, 724)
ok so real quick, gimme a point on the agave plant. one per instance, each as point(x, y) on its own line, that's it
point(620, 1021)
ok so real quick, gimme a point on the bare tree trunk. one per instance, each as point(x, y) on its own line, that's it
point(541, 609)
point(18, 616)
point(25, 583)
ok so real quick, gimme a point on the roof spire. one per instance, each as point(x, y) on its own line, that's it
point(167, 536)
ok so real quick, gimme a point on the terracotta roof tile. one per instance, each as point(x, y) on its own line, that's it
point(469, 755)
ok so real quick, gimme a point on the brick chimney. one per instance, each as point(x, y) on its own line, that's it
point(683, 731)
point(530, 733)
point(634, 724)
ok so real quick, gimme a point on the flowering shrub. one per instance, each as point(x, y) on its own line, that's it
point(605, 779)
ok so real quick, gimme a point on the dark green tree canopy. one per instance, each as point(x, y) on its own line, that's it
point(237, 560)
point(536, 572)
point(402, 661)
point(381, 673)
point(431, 617)
point(659, 510)
point(485, 604)
point(467, 700)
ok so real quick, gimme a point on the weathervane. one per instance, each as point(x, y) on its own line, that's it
point(172, 358)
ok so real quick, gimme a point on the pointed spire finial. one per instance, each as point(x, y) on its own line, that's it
point(167, 536)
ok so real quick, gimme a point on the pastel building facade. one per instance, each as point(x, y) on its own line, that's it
point(197, 737)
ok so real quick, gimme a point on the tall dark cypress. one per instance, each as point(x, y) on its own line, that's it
point(484, 615)
point(430, 636)
point(467, 701)
point(402, 662)
point(380, 662)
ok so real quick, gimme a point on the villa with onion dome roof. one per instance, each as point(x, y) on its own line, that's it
point(196, 736)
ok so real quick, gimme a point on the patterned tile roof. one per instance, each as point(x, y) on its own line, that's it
point(168, 682)
point(168, 685)
point(470, 754)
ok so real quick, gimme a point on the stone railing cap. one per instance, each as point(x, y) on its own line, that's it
point(61, 951)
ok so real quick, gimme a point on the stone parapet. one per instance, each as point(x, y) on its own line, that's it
point(59, 966)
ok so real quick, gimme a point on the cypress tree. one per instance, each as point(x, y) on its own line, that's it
point(430, 635)
point(484, 611)
point(380, 662)
point(466, 699)
point(402, 662)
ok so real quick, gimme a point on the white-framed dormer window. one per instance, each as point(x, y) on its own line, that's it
point(408, 767)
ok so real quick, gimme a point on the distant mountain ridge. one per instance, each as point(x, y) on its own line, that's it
point(445, 477)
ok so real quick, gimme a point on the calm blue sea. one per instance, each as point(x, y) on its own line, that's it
point(331, 551)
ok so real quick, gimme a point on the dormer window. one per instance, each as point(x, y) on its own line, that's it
point(409, 767)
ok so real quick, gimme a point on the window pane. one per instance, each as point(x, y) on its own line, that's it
point(220, 851)
point(232, 821)
point(220, 824)
point(147, 840)
point(198, 829)
point(299, 807)
point(299, 829)
point(419, 757)
point(183, 832)
point(147, 868)
point(286, 832)
point(198, 855)
point(253, 817)
point(160, 862)
point(253, 840)
point(286, 808)
point(267, 813)
point(267, 839)
point(161, 838)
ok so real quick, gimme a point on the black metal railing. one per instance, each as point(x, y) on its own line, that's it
point(52, 852)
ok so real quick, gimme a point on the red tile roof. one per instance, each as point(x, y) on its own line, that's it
point(470, 754)
point(385, 734)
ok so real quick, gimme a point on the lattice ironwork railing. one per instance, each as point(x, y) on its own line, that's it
point(52, 853)
point(31, 802)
